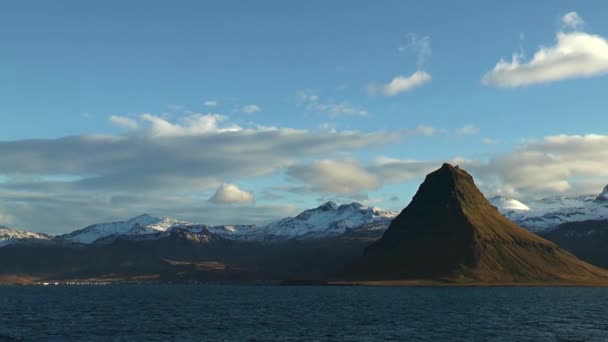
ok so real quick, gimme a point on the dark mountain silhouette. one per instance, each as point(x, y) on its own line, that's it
point(588, 240)
point(451, 232)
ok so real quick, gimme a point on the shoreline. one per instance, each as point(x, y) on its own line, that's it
point(431, 283)
point(365, 283)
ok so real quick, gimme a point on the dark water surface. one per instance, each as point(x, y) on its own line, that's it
point(266, 313)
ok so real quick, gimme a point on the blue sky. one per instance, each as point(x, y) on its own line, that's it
point(81, 69)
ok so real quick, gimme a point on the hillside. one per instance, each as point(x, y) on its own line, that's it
point(451, 232)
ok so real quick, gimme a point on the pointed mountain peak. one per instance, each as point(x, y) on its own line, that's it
point(448, 185)
point(329, 205)
point(451, 231)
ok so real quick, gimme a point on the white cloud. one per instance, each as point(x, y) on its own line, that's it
point(250, 109)
point(467, 130)
point(210, 103)
point(391, 170)
point(427, 130)
point(335, 176)
point(575, 54)
point(123, 122)
point(334, 109)
point(401, 84)
point(193, 124)
point(554, 165)
point(337, 109)
point(161, 167)
point(573, 20)
point(432, 130)
point(231, 194)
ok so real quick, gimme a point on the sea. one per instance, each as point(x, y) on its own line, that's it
point(306, 313)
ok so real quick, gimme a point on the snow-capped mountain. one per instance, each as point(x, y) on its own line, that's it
point(508, 204)
point(140, 225)
point(9, 236)
point(548, 213)
point(326, 220)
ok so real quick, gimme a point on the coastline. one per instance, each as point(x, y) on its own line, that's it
point(431, 283)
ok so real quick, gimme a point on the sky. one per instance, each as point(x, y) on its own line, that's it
point(228, 112)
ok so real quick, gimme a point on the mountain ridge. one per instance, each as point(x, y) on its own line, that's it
point(327, 220)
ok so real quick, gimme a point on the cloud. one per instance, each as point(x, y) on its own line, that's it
point(401, 84)
point(421, 46)
point(164, 166)
point(335, 176)
point(554, 165)
point(427, 130)
point(573, 21)
point(210, 103)
point(230, 194)
point(575, 54)
point(250, 109)
point(467, 130)
point(490, 141)
point(334, 109)
point(352, 177)
point(391, 170)
point(192, 124)
point(123, 122)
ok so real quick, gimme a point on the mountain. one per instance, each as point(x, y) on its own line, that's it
point(311, 245)
point(450, 231)
point(547, 213)
point(603, 197)
point(327, 220)
point(588, 240)
point(508, 204)
point(10, 236)
point(140, 225)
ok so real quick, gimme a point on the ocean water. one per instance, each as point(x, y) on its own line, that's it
point(273, 313)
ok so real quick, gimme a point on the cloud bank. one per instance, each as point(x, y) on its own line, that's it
point(158, 165)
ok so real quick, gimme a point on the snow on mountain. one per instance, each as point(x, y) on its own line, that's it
point(140, 225)
point(547, 213)
point(9, 236)
point(603, 197)
point(507, 204)
point(326, 220)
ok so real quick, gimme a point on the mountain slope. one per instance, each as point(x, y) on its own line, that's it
point(547, 213)
point(10, 236)
point(140, 225)
point(327, 220)
point(450, 231)
point(588, 240)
